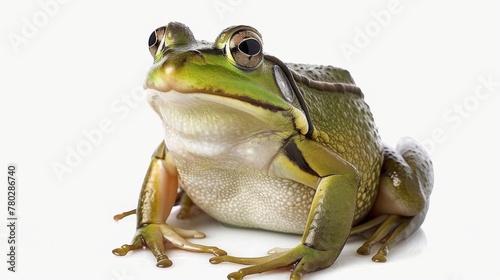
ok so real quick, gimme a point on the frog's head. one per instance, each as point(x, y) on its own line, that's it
point(231, 76)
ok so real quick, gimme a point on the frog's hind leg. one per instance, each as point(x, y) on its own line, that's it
point(186, 205)
point(403, 200)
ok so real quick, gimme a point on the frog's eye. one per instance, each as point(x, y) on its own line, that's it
point(244, 49)
point(156, 40)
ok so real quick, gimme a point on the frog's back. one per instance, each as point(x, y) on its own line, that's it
point(339, 112)
point(323, 73)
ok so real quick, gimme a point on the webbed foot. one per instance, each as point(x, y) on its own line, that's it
point(302, 259)
point(153, 237)
point(393, 230)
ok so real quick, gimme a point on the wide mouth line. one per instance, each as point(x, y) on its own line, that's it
point(244, 99)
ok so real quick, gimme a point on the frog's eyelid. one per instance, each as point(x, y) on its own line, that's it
point(162, 31)
point(162, 43)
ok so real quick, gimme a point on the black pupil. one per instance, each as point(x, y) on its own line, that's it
point(250, 47)
point(152, 39)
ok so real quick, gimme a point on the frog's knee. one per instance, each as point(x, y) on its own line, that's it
point(398, 197)
point(404, 182)
point(420, 162)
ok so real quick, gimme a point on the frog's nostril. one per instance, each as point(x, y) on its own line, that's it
point(196, 52)
point(197, 57)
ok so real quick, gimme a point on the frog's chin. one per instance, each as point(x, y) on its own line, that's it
point(209, 110)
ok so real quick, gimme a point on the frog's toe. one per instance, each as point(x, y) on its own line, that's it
point(177, 237)
point(124, 249)
point(246, 261)
point(186, 233)
point(120, 216)
point(156, 247)
point(364, 249)
point(236, 276)
point(302, 259)
point(258, 265)
point(390, 232)
point(380, 256)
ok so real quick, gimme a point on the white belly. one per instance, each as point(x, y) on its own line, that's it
point(223, 148)
point(246, 198)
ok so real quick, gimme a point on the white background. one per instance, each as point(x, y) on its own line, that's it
point(79, 61)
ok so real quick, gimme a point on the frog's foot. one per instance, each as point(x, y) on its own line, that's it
point(302, 259)
point(154, 235)
point(394, 229)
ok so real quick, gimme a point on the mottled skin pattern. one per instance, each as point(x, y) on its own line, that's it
point(227, 189)
point(255, 142)
point(347, 121)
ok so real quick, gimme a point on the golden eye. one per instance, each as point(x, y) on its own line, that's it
point(156, 40)
point(244, 49)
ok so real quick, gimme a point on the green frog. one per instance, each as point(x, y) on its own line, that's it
point(255, 142)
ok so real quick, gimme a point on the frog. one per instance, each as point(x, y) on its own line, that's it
point(258, 143)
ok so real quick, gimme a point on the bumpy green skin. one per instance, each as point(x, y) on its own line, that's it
point(351, 130)
point(252, 150)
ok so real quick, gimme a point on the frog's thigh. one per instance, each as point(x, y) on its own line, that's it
point(405, 186)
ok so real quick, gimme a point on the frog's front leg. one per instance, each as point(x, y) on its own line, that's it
point(158, 196)
point(331, 214)
point(405, 186)
point(182, 199)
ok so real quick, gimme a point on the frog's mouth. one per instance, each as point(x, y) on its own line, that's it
point(245, 100)
point(218, 115)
